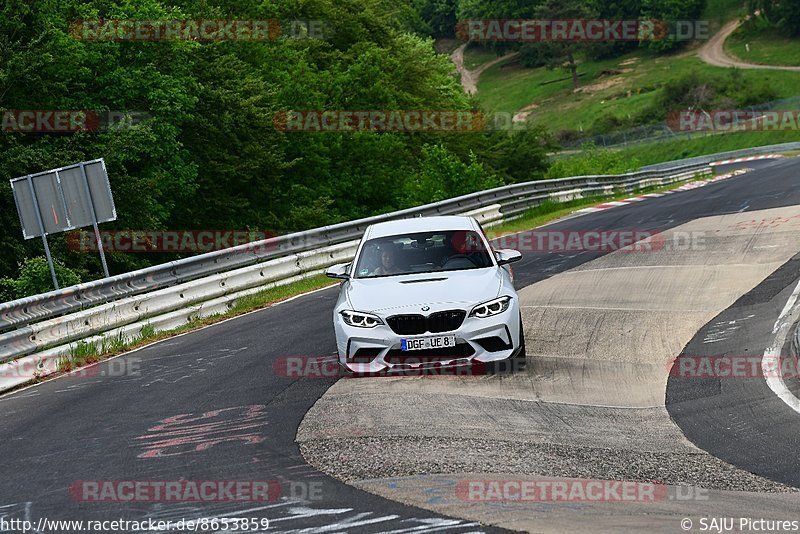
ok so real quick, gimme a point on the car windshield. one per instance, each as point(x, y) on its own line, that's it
point(424, 252)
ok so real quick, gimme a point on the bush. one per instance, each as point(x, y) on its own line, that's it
point(534, 55)
point(593, 160)
point(34, 278)
point(8, 290)
point(443, 175)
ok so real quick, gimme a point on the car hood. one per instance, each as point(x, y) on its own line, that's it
point(392, 292)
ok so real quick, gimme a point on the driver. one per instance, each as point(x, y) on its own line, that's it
point(462, 245)
point(388, 264)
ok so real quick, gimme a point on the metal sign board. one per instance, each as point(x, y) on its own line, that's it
point(61, 198)
point(64, 199)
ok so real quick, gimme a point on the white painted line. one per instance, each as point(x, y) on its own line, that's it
point(771, 361)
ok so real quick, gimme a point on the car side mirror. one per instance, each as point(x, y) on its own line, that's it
point(340, 270)
point(506, 256)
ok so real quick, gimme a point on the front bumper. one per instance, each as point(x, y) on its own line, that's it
point(377, 350)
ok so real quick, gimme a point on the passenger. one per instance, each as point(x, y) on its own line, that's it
point(388, 264)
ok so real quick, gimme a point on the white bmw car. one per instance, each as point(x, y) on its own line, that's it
point(425, 293)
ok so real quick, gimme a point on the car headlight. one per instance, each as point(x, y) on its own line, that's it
point(493, 307)
point(361, 320)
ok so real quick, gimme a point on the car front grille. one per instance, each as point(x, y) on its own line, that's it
point(443, 321)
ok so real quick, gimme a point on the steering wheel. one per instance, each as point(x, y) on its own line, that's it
point(458, 257)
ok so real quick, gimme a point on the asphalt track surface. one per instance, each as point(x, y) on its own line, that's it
point(739, 419)
point(209, 406)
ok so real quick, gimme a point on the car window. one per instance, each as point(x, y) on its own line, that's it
point(424, 252)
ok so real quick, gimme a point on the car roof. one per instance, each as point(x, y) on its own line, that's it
point(445, 223)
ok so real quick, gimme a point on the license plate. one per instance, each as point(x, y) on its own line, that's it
point(422, 343)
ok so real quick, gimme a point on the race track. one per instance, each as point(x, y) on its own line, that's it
point(596, 400)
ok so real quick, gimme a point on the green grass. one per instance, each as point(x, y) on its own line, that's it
point(663, 151)
point(475, 56)
point(84, 353)
point(633, 88)
point(766, 47)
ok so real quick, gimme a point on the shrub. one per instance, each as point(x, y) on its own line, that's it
point(34, 277)
point(8, 290)
point(593, 160)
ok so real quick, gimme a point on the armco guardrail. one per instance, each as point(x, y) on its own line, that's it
point(167, 295)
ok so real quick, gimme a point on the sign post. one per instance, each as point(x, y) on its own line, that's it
point(44, 235)
point(88, 196)
point(65, 199)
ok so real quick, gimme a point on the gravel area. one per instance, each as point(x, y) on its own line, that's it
point(368, 458)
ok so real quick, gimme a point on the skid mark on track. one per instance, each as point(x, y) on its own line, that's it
point(167, 373)
point(722, 330)
point(187, 433)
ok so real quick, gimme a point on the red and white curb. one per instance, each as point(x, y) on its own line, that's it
point(684, 187)
point(614, 204)
point(750, 158)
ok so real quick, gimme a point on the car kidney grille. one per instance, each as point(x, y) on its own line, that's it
point(443, 321)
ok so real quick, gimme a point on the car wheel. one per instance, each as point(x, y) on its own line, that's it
point(521, 354)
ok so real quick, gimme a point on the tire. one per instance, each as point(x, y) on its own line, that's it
point(521, 355)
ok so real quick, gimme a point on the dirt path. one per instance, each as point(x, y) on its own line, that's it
point(713, 52)
point(469, 78)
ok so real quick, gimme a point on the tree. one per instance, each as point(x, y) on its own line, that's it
point(563, 54)
point(443, 175)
